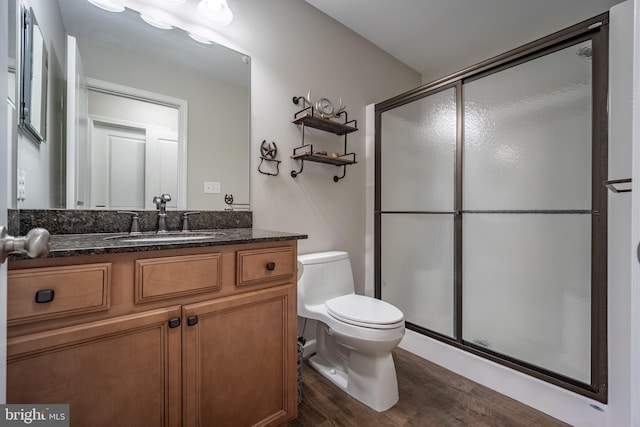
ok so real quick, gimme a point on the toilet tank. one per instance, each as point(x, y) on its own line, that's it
point(322, 276)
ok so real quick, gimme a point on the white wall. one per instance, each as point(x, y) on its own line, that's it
point(621, 253)
point(560, 403)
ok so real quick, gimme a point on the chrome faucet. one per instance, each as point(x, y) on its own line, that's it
point(161, 205)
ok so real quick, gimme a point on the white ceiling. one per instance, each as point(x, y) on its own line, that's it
point(440, 37)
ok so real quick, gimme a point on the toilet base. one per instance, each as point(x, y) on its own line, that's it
point(371, 379)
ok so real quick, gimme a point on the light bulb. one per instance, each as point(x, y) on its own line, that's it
point(199, 39)
point(107, 5)
point(155, 22)
point(214, 5)
point(216, 11)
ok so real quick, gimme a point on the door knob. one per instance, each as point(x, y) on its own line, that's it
point(35, 244)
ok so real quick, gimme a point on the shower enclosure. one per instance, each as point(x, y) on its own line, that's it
point(490, 209)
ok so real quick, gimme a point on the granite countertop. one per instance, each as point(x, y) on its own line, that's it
point(64, 245)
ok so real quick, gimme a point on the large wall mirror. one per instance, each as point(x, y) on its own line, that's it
point(144, 111)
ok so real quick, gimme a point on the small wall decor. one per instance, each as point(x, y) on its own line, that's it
point(323, 107)
point(268, 152)
point(228, 199)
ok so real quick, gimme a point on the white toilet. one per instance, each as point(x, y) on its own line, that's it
point(355, 334)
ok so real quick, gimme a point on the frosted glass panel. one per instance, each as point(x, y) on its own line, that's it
point(418, 154)
point(417, 268)
point(527, 288)
point(527, 135)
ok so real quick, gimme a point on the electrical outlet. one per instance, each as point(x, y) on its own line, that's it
point(212, 187)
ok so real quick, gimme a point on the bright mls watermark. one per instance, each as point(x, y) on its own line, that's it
point(34, 415)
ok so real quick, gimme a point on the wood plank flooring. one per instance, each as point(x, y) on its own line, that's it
point(429, 396)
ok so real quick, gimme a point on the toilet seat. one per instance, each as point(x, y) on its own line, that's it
point(364, 311)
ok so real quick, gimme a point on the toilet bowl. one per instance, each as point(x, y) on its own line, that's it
point(355, 334)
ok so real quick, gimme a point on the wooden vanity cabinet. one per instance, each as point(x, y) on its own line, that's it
point(238, 360)
point(185, 340)
point(116, 372)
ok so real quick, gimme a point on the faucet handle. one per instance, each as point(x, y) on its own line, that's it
point(135, 221)
point(185, 220)
point(161, 200)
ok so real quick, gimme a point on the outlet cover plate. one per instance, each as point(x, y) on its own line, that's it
point(212, 187)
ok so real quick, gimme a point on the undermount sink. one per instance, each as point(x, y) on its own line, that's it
point(178, 236)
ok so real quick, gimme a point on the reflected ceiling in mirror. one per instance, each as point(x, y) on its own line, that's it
point(127, 31)
point(120, 49)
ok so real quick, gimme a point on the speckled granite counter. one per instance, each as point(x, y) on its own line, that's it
point(93, 232)
point(65, 245)
point(76, 221)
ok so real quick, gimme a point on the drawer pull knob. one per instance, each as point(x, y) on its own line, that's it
point(192, 320)
point(271, 266)
point(44, 296)
point(174, 322)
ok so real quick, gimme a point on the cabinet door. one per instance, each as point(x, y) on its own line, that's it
point(239, 363)
point(123, 371)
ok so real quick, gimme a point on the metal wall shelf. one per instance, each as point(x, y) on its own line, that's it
point(309, 117)
point(324, 124)
point(322, 158)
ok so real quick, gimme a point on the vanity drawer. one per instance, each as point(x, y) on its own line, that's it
point(52, 292)
point(169, 277)
point(263, 265)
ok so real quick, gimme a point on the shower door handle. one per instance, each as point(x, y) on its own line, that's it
point(611, 185)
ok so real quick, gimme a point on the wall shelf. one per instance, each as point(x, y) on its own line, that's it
point(324, 124)
point(308, 117)
point(323, 158)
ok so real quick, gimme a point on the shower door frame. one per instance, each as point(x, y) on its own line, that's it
point(596, 30)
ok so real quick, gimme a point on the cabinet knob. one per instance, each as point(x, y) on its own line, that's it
point(192, 320)
point(271, 266)
point(44, 296)
point(174, 322)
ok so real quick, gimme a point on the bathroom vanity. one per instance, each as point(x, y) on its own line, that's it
point(193, 333)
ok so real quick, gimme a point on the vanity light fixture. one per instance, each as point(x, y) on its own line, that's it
point(108, 5)
point(155, 22)
point(216, 11)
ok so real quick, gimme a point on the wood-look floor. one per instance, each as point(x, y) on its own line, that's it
point(429, 396)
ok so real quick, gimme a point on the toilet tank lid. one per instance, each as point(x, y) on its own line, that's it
point(322, 257)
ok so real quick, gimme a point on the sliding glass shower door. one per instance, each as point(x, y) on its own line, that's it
point(491, 214)
point(418, 161)
point(527, 212)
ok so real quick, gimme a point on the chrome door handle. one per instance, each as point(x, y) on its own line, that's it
point(35, 244)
